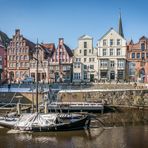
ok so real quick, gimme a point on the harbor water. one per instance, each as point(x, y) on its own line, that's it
point(131, 132)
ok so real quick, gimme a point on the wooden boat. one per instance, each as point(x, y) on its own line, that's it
point(46, 122)
point(38, 122)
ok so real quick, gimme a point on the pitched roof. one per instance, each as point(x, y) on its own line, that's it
point(49, 49)
point(85, 37)
point(29, 43)
point(143, 38)
point(108, 33)
point(69, 51)
point(4, 39)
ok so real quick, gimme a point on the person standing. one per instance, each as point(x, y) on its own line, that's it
point(9, 87)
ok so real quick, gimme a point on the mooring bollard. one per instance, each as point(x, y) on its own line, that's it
point(18, 108)
point(46, 108)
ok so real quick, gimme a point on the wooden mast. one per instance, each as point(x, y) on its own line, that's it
point(37, 65)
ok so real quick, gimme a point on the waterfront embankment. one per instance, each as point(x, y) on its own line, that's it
point(109, 94)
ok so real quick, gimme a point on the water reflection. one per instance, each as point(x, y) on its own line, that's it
point(116, 137)
point(125, 136)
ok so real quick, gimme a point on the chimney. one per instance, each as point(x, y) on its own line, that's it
point(17, 31)
point(61, 41)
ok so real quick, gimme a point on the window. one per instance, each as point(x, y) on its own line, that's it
point(133, 55)
point(17, 57)
point(85, 66)
point(120, 74)
point(77, 76)
point(104, 42)
point(91, 66)
point(17, 44)
point(120, 64)
point(118, 52)
point(103, 74)
point(78, 59)
point(57, 67)
point(78, 65)
point(138, 55)
point(111, 42)
point(85, 44)
point(147, 55)
point(112, 63)
point(25, 57)
point(80, 50)
point(17, 64)
point(111, 52)
point(85, 52)
point(104, 52)
point(27, 65)
point(143, 56)
point(85, 75)
point(142, 46)
point(51, 67)
point(89, 50)
point(103, 63)
point(118, 42)
point(14, 64)
point(91, 59)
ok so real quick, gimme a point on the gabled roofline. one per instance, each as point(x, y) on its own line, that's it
point(81, 37)
point(109, 31)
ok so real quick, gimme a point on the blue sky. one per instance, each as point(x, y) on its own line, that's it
point(49, 20)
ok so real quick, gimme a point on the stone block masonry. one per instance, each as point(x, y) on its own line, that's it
point(125, 97)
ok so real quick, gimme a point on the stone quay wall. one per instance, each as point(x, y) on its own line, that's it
point(124, 97)
point(22, 97)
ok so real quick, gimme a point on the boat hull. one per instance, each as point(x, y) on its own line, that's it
point(70, 125)
point(78, 124)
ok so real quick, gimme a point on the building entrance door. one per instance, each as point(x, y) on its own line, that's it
point(91, 77)
point(112, 75)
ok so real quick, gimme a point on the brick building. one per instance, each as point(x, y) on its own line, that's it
point(137, 57)
point(60, 65)
point(4, 40)
point(2, 62)
point(45, 52)
point(19, 52)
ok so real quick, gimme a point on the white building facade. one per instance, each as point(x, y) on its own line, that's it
point(112, 56)
point(85, 64)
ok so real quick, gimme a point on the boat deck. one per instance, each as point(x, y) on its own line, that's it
point(76, 106)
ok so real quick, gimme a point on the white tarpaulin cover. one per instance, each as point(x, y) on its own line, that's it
point(26, 121)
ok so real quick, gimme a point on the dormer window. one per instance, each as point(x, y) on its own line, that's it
point(142, 46)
